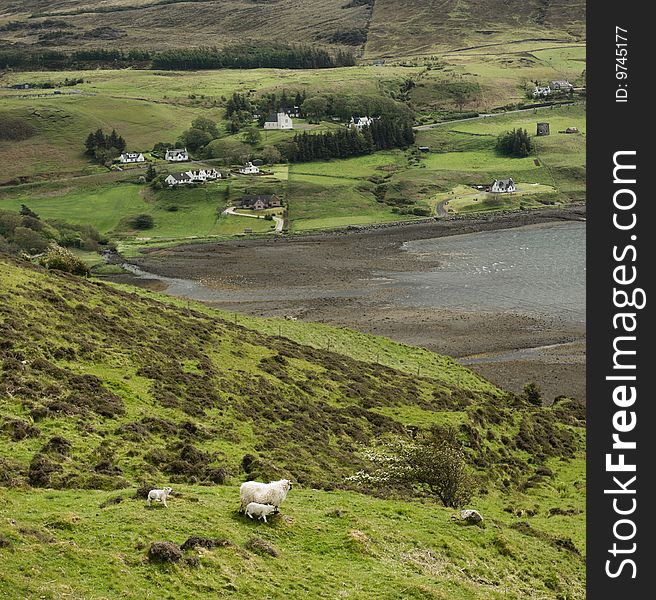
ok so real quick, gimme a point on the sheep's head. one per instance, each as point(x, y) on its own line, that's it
point(168, 490)
point(288, 484)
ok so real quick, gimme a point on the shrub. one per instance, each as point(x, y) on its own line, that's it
point(29, 240)
point(432, 460)
point(533, 393)
point(143, 221)
point(164, 552)
point(61, 259)
point(260, 546)
point(41, 471)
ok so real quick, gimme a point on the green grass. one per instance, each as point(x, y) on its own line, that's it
point(336, 544)
point(168, 391)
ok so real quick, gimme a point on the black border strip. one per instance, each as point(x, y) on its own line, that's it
point(614, 126)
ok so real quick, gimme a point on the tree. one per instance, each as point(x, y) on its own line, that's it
point(252, 136)
point(315, 108)
point(195, 139)
point(271, 155)
point(432, 460)
point(205, 124)
point(516, 143)
point(533, 394)
point(151, 172)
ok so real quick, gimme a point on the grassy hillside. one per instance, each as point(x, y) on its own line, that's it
point(158, 24)
point(423, 27)
point(427, 26)
point(102, 388)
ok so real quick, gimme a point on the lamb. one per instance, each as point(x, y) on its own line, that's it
point(160, 495)
point(260, 510)
point(273, 493)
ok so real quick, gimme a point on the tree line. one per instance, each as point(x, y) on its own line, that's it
point(241, 56)
point(382, 134)
point(104, 147)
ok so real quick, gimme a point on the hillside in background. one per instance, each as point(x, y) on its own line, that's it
point(377, 27)
point(102, 389)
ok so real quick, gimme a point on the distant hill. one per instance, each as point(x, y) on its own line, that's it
point(375, 27)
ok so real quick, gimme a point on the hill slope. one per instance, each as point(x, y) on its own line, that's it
point(423, 25)
point(103, 388)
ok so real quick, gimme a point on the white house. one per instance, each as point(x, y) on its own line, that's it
point(202, 175)
point(501, 186)
point(131, 157)
point(177, 155)
point(179, 179)
point(541, 92)
point(249, 169)
point(361, 122)
point(279, 120)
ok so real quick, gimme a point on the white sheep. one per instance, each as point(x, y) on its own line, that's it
point(260, 510)
point(273, 493)
point(159, 495)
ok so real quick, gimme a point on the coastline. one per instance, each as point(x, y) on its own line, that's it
point(332, 277)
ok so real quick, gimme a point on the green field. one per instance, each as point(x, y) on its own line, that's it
point(335, 193)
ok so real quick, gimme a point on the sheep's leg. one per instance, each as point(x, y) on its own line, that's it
point(264, 517)
point(250, 515)
point(148, 500)
point(165, 504)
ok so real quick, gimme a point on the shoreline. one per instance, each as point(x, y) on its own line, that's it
point(334, 278)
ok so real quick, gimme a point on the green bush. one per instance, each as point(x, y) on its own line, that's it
point(143, 221)
point(61, 259)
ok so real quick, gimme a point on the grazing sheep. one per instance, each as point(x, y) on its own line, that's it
point(160, 495)
point(260, 510)
point(273, 493)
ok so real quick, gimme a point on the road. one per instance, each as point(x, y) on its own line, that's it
point(233, 211)
point(486, 116)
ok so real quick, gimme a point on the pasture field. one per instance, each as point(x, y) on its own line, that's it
point(177, 384)
point(336, 543)
point(337, 193)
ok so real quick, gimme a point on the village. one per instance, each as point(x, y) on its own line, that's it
point(271, 206)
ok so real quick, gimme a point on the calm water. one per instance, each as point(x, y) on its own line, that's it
point(537, 270)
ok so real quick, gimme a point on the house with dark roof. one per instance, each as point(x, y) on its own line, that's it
point(178, 179)
point(260, 201)
point(503, 186)
point(177, 155)
point(279, 120)
point(561, 85)
point(131, 157)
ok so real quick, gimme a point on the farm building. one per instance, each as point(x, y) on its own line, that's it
point(279, 120)
point(177, 155)
point(360, 122)
point(131, 157)
point(249, 169)
point(502, 186)
point(543, 129)
point(260, 202)
point(561, 85)
point(424, 149)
